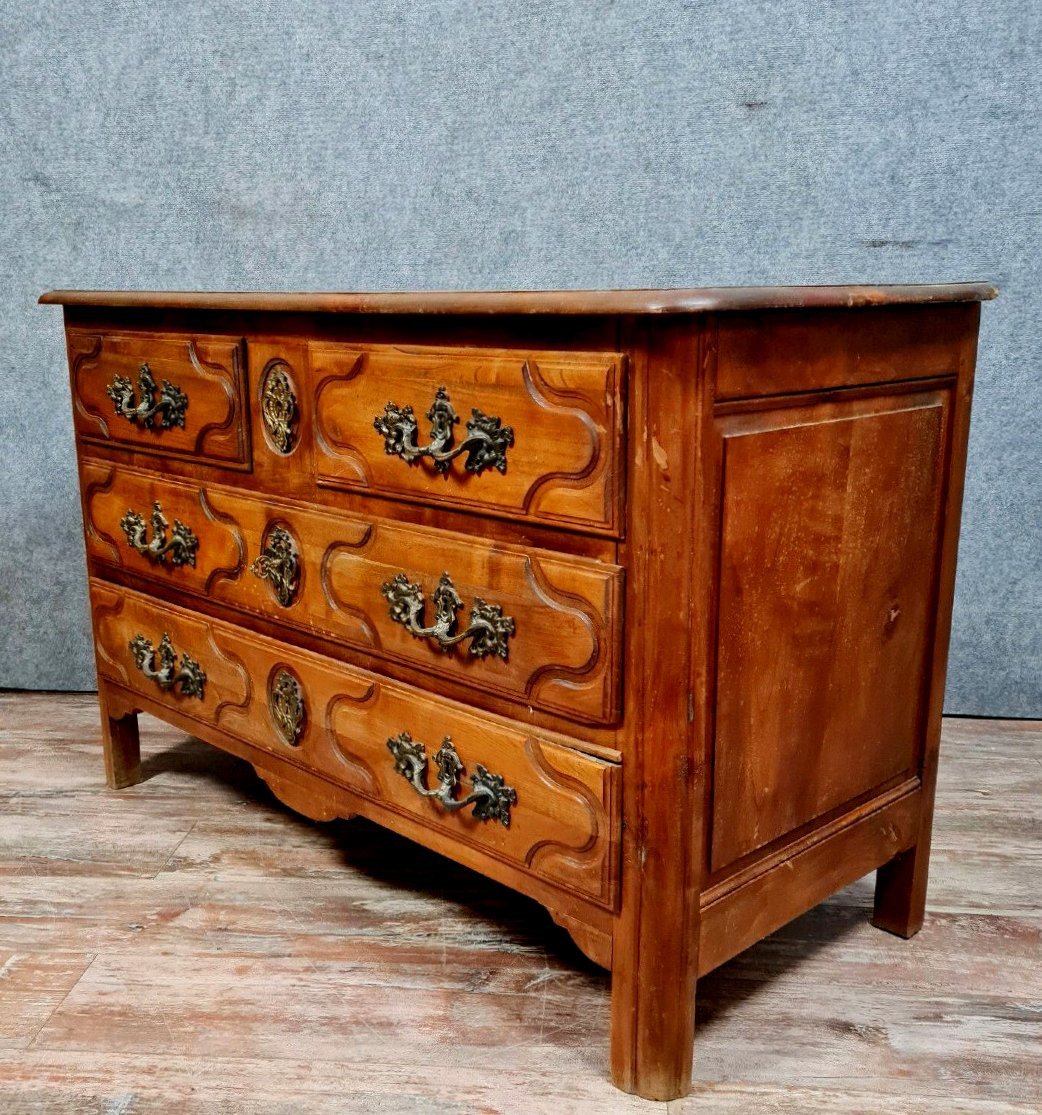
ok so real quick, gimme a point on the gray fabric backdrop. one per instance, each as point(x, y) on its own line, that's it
point(479, 144)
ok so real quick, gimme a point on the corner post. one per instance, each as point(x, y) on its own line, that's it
point(655, 948)
point(900, 897)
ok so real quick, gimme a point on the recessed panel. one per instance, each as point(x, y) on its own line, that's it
point(829, 540)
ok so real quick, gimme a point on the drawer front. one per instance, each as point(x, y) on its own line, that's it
point(176, 395)
point(524, 435)
point(533, 802)
point(530, 625)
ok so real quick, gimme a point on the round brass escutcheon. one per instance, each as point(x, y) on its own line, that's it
point(279, 407)
point(287, 706)
point(279, 564)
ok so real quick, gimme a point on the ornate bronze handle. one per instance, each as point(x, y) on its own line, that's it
point(159, 664)
point(489, 629)
point(166, 411)
point(279, 564)
point(489, 796)
point(486, 443)
point(180, 547)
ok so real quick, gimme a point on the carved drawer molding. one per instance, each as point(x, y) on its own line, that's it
point(545, 629)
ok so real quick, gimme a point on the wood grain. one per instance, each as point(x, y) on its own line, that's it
point(792, 353)
point(732, 917)
point(830, 541)
point(770, 479)
point(32, 987)
point(900, 902)
point(655, 952)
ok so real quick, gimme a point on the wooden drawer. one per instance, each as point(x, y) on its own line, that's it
point(537, 435)
point(178, 395)
point(559, 622)
point(538, 804)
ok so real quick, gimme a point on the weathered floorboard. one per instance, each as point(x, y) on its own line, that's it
point(190, 945)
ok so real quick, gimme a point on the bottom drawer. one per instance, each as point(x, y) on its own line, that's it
point(526, 798)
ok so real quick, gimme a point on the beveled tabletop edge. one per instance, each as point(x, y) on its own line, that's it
point(679, 301)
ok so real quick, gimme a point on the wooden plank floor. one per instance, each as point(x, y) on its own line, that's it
point(189, 945)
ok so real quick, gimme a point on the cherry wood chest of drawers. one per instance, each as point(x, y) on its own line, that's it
point(637, 602)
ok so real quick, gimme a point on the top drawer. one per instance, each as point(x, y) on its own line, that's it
point(522, 435)
point(173, 394)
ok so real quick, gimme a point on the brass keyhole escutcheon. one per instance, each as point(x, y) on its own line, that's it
point(287, 707)
point(279, 564)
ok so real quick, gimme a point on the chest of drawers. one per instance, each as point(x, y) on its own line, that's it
point(637, 602)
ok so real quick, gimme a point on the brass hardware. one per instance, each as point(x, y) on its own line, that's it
point(279, 564)
point(170, 407)
point(159, 664)
point(279, 407)
point(489, 629)
point(180, 547)
point(486, 443)
point(489, 796)
point(286, 705)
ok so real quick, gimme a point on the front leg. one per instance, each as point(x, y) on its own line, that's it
point(122, 745)
point(654, 958)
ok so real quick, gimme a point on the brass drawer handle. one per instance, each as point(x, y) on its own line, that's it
point(489, 796)
point(489, 629)
point(278, 563)
point(170, 407)
point(486, 443)
point(180, 547)
point(159, 664)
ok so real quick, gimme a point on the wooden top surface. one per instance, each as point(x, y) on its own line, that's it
point(680, 301)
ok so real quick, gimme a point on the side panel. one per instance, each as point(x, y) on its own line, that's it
point(836, 464)
point(773, 353)
point(830, 538)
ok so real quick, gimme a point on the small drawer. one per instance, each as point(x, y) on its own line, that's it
point(523, 435)
point(533, 626)
point(522, 797)
point(176, 395)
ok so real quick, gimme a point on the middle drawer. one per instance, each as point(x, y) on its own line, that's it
point(534, 626)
